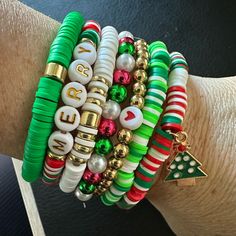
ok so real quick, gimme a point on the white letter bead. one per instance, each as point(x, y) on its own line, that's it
point(131, 118)
point(74, 94)
point(80, 71)
point(60, 143)
point(86, 52)
point(67, 118)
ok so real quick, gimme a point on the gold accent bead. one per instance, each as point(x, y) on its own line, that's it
point(90, 119)
point(105, 183)
point(141, 63)
point(100, 190)
point(98, 90)
point(137, 101)
point(86, 136)
point(125, 136)
point(115, 163)
point(141, 47)
point(76, 160)
point(121, 150)
point(56, 156)
point(95, 101)
point(88, 41)
point(82, 149)
point(139, 89)
point(143, 54)
point(100, 79)
point(141, 42)
point(109, 174)
point(56, 70)
point(140, 75)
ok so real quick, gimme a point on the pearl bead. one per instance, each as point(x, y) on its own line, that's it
point(111, 110)
point(97, 164)
point(125, 62)
point(81, 196)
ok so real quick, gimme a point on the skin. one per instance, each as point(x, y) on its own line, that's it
point(205, 209)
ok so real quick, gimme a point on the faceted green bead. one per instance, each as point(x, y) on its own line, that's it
point(118, 93)
point(126, 48)
point(86, 188)
point(103, 146)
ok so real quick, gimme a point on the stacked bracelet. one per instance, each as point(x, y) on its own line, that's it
point(48, 94)
point(155, 96)
point(162, 143)
point(92, 109)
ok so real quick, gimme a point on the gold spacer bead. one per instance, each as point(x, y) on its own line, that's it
point(125, 136)
point(141, 42)
point(140, 75)
point(143, 54)
point(141, 47)
point(98, 90)
point(105, 183)
point(95, 101)
point(100, 190)
point(115, 163)
point(82, 149)
point(139, 89)
point(109, 174)
point(86, 136)
point(90, 119)
point(56, 70)
point(56, 156)
point(137, 101)
point(141, 63)
point(75, 160)
point(87, 40)
point(100, 79)
point(121, 150)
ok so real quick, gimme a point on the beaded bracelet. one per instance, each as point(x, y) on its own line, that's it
point(47, 95)
point(92, 109)
point(157, 86)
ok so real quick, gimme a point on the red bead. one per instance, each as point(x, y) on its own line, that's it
point(177, 103)
point(121, 77)
point(176, 96)
point(92, 178)
point(162, 140)
point(107, 127)
point(154, 160)
point(176, 88)
point(91, 24)
point(126, 40)
point(173, 127)
point(175, 111)
point(54, 163)
point(162, 151)
point(182, 148)
point(142, 177)
point(150, 167)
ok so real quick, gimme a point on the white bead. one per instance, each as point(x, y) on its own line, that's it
point(157, 78)
point(111, 110)
point(131, 117)
point(97, 164)
point(151, 163)
point(98, 84)
point(80, 71)
point(178, 100)
point(156, 112)
point(85, 51)
point(152, 98)
point(129, 202)
point(84, 142)
point(182, 94)
point(87, 130)
point(125, 62)
point(81, 196)
point(97, 96)
point(60, 143)
point(140, 140)
point(174, 107)
point(67, 118)
point(125, 34)
point(74, 94)
point(157, 91)
point(92, 107)
point(80, 155)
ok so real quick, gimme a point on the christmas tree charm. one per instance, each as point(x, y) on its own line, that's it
point(184, 166)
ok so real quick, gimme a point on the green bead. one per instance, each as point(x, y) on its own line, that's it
point(126, 48)
point(86, 188)
point(118, 93)
point(103, 146)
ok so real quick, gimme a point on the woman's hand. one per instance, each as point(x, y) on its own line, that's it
point(209, 208)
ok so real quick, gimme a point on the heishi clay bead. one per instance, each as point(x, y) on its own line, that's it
point(67, 118)
point(80, 71)
point(60, 143)
point(74, 94)
point(85, 51)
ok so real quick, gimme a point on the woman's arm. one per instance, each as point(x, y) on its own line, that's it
point(206, 209)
